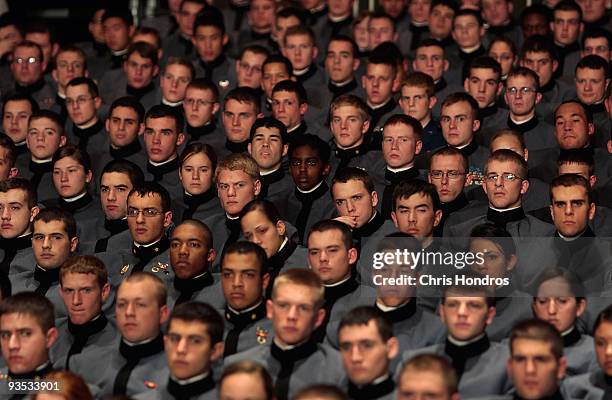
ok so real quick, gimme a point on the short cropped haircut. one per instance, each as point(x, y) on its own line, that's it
point(312, 141)
point(577, 156)
point(161, 293)
point(239, 162)
point(434, 363)
point(145, 30)
point(352, 101)
point(119, 12)
point(330, 225)
point(71, 49)
point(486, 62)
point(571, 279)
point(74, 152)
point(503, 39)
point(596, 33)
point(463, 290)
point(149, 189)
point(204, 84)
point(594, 62)
point(604, 316)
point(143, 49)
point(255, 49)
point(32, 304)
point(209, 16)
point(345, 39)
point(243, 247)
point(244, 94)
point(122, 166)
point(541, 331)
point(506, 155)
point(92, 87)
point(568, 5)
point(173, 60)
point(292, 87)
point(58, 214)
point(420, 80)
point(128, 102)
point(430, 42)
point(363, 315)
point(300, 30)
point(28, 44)
point(467, 12)
point(50, 115)
point(320, 392)
point(301, 277)
point(452, 4)
point(508, 132)
point(202, 228)
point(165, 111)
point(85, 265)
point(354, 174)
point(279, 59)
point(378, 58)
point(539, 44)
point(587, 111)
point(11, 150)
point(20, 184)
point(449, 151)
point(461, 97)
point(196, 311)
point(270, 123)
point(568, 180)
point(250, 368)
point(19, 97)
point(408, 188)
point(406, 120)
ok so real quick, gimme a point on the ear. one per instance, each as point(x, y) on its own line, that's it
point(490, 315)
point(250, 148)
point(256, 187)
point(107, 123)
point(13, 172)
point(131, 30)
point(269, 309)
point(562, 368)
point(363, 81)
point(432, 101)
point(74, 243)
point(580, 307)
point(592, 180)
point(356, 63)
point(418, 147)
point(265, 281)
point(106, 289)
point(468, 180)
point(225, 39)
point(180, 138)
point(465, 84)
point(167, 219)
point(552, 214)
point(326, 170)
point(285, 149)
point(320, 317)
point(215, 108)
point(392, 348)
point(475, 125)
point(315, 52)
point(366, 126)
point(437, 217)
point(98, 102)
point(500, 87)
point(591, 130)
point(442, 313)
point(446, 65)
point(211, 256)
point(555, 65)
point(62, 142)
point(526, 154)
point(88, 176)
point(156, 70)
point(538, 98)
point(52, 335)
point(394, 219)
point(374, 199)
point(164, 313)
point(524, 186)
point(512, 262)
point(34, 212)
point(303, 108)
point(217, 351)
point(281, 228)
point(54, 74)
point(352, 253)
point(414, 65)
point(592, 211)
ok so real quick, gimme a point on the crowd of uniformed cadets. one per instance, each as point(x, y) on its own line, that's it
point(191, 208)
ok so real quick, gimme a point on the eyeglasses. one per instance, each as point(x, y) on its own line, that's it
point(452, 175)
point(28, 60)
point(79, 100)
point(506, 176)
point(524, 90)
point(147, 212)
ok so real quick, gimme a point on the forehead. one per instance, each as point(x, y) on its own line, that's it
point(298, 38)
point(161, 123)
point(590, 72)
point(148, 200)
point(275, 68)
point(77, 278)
point(502, 166)
point(505, 142)
point(380, 22)
point(240, 261)
point(305, 151)
point(51, 226)
point(573, 167)
point(208, 30)
point(352, 185)
point(124, 112)
point(115, 22)
point(399, 129)
point(537, 56)
point(254, 57)
point(188, 232)
point(500, 46)
point(182, 327)
point(227, 175)
point(17, 105)
point(267, 131)
point(18, 321)
point(325, 238)
point(460, 107)
point(569, 192)
point(43, 123)
point(532, 347)
point(115, 178)
point(76, 90)
point(14, 196)
point(487, 73)
point(144, 289)
point(199, 93)
point(520, 80)
point(295, 293)
point(456, 297)
point(465, 18)
point(359, 332)
point(566, 14)
point(381, 69)
point(284, 94)
point(415, 199)
point(445, 160)
point(413, 89)
point(136, 57)
point(239, 106)
point(347, 110)
point(340, 45)
point(69, 55)
point(593, 41)
point(571, 109)
point(26, 51)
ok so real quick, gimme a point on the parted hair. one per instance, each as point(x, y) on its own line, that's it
point(85, 265)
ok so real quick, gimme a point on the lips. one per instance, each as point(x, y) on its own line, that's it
point(140, 231)
point(6, 226)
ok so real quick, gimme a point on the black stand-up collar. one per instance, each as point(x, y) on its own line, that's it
point(369, 228)
point(237, 148)
point(140, 351)
point(312, 196)
point(158, 171)
point(503, 29)
point(571, 338)
point(77, 205)
point(30, 89)
point(84, 135)
point(469, 149)
point(140, 92)
point(396, 177)
point(242, 319)
point(115, 226)
point(338, 91)
point(295, 354)
point(147, 253)
point(597, 108)
point(548, 87)
point(401, 313)
point(371, 391)
point(460, 354)
point(190, 390)
point(440, 85)
point(88, 328)
point(487, 111)
point(126, 151)
point(525, 126)
point(333, 293)
point(270, 179)
point(40, 373)
point(555, 396)
point(195, 134)
point(312, 70)
point(187, 287)
point(209, 67)
point(502, 218)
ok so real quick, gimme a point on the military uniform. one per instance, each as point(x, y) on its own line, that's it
point(39, 173)
point(381, 390)
point(246, 329)
point(201, 389)
point(511, 307)
point(90, 139)
point(16, 254)
point(40, 91)
point(378, 116)
point(205, 288)
point(37, 374)
point(276, 187)
point(133, 152)
point(219, 71)
point(225, 231)
point(200, 206)
point(307, 208)
point(554, 93)
point(153, 258)
point(289, 256)
point(589, 386)
point(579, 350)
point(166, 174)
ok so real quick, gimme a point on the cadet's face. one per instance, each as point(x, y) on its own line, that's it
point(340, 61)
point(598, 46)
point(280, 27)
point(241, 280)
point(257, 228)
point(364, 353)
point(272, 74)
point(466, 31)
point(116, 33)
point(187, 15)
point(261, 14)
point(81, 106)
point(566, 27)
point(415, 216)
point(51, 244)
point(393, 7)
point(68, 65)
point(590, 85)
point(267, 148)
point(242, 386)
point(15, 213)
point(501, 192)
point(483, 85)
point(502, 53)
point(380, 30)
point(534, 369)
point(287, 108)
point(353, 200)
point(441, 21)
point(82, 296)
point(570, 210)
point(9, 37)
point(465, 317)
point(145, 230)
point(535, 24)
point(189, 350)
point(360, 32)
point(592, 10)
point(139, 316)
point(378, 83)
point(161, 138)
point(300, 50)
point(348, 126)
point(189, 254)
point(236, 189)
point(174, 82)
point(15, 119)
point(448, 188)
point(24, 72)
point(496, 12)
point(293, 313)
point(238, 118)
point(415, 102)
point(24, 344)
point(521, 104)
point(556, 304)
point(199, 106)
point(430, 60)
point(114, 189)
point(70, 178)
point(209, 42)
point(328, 257)
point(419, 10)
point(196, 174)
point(139, 70)
point(495, 264)
point(603, 346)
point(422, 385)
point(395, 295)
point(540, 63)
point(572, 129)
point(5, 167)
point(339, 8)
point(458, 124)
point(306, 167)
point(248, 69)
point(123, 127)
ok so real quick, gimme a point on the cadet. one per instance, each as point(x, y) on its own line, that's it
point(201, 105)
point(290, 105)
point(591, 81)
point(244, 278)
point(566, 29)
point(245, 380)
point(8, 154)
point(380, 82)
point(191, 256)
point(84, 289)
point(249, 66)
point(16, 112)
point(178, 73)
point(70, 62)
point(341, 65)
point(139, 360)
point(293, 357)
point(427, 375)
point(209, 39)
point(29, 77)
point(193, 342)
point(85, 129)
point(179, 43)
point(241, 107)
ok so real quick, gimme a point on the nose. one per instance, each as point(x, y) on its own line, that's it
point(445, 179)
point(376, 82)
point(195, 106)
point(14, 121)
point(184, 249)
point(551, 306)
point(462, 309)
point(568, 209)
point(429, 62)
point(14, 342)
point(356, 354)
point(530, 366)
point(46, 243)
point(129, 310)
point(195, 174)
point(499, 181)
point(235, 120)
point(609, 349)
point(231, 191)
point(111, 196)
point(293, 312)
point(588, 86)
point(182, 345)
point(323, 257)
point(174, 83)
point(350, 206)
point(64, 176)
point(481, 86)
point(453, 123)
point(70, 67)
point(157, 138)
point(140, 218)
point(237, 281)
point(77, 298)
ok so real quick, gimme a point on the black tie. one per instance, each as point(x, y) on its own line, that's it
point(45, 278)
point(81, 334)
point(239, 322)
point(133, 355)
